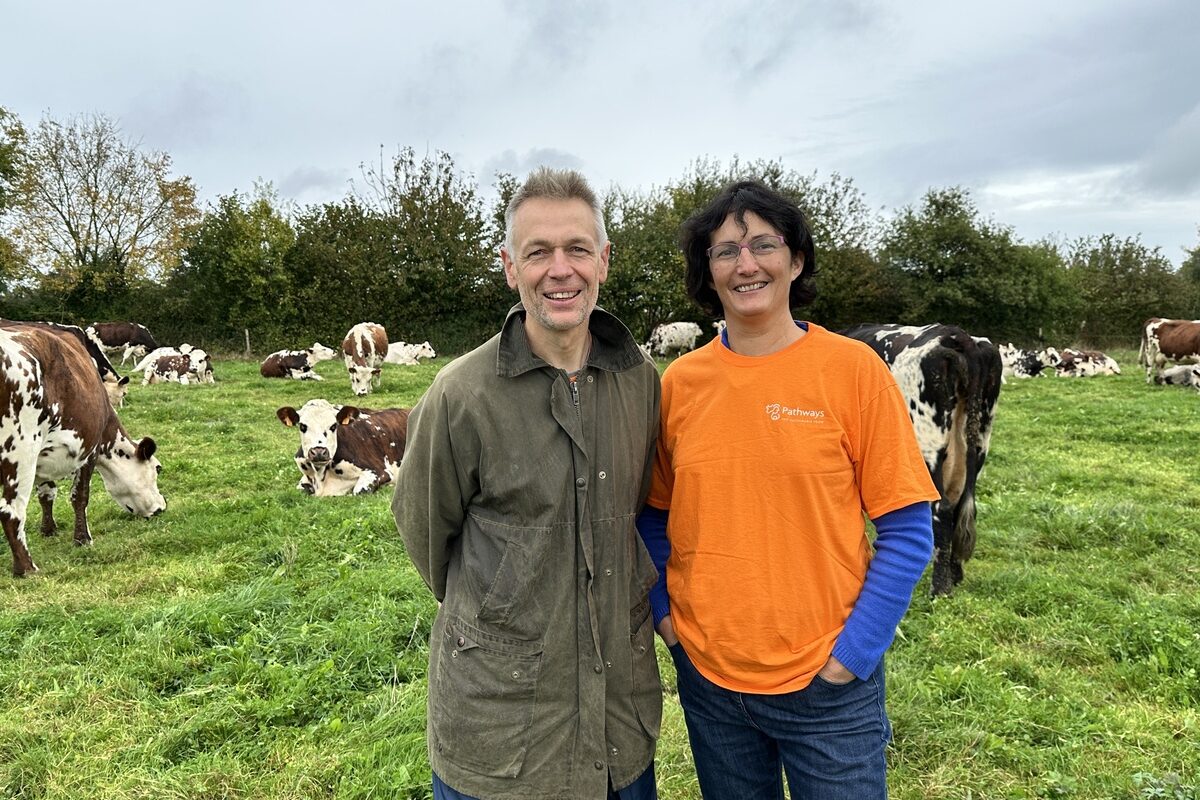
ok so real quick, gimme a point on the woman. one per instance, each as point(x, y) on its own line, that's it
point(776, 438)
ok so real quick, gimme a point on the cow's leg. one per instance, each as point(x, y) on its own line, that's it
point(308, 481)
point(46, 493)
point(79, 501)
point(12, 518)
point(943, 547)
point(369, 482)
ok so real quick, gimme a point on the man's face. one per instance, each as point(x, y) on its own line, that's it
point(557, 265)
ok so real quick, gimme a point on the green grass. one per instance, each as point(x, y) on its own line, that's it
point(253, 642)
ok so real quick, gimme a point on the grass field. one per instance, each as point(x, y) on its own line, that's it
point(254, 642)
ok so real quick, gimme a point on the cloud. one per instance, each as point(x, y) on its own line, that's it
point(186, 114)
point(520, 164)
point(1172, 163)
point(314, 182)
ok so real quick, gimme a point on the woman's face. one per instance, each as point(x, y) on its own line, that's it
point(758, 279)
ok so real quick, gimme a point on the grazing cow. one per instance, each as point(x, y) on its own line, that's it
point(1020, 363)
point(344, 449)
point(192, 365)
point(673, 338)
point(1085, 364)
point(114, 385)
point(129, 337)
point(55, 420)
point(1182, 375)
point(364, 349)
point(951, 381)
point(408, 355)
point(1163, 340)
point(296, 364)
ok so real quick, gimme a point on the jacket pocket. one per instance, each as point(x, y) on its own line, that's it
point(481, 701)
point(647, 687)
point(506, 564)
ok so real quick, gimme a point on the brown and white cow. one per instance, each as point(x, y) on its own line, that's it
point(364, 349)
point(951, 381)
point(129, 337)
point(192, 365)
point(55, 420)
point(1168, 340)
point(115, 385)
point(346, 449)
point(1085, 364)
point(296, 364)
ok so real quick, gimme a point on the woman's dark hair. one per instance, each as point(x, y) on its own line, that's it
point(695, 237)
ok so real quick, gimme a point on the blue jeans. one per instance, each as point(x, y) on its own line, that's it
point(643, 788)
point(829, 739)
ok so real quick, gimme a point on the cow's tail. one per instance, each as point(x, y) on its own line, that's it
point(972, 384)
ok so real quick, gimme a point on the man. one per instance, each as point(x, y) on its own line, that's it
point(526, 464)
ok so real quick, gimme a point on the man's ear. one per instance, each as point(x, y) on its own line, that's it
point(510, 268)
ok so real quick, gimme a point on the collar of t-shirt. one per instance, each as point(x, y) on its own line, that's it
point(725, 332)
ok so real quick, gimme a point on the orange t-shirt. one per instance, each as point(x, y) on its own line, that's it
point(767, 465)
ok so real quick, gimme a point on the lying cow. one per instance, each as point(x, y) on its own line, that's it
point(1168, 340)
point(132, 339)
point(296, 364)
point(673, 338)
point(344, 449)
point(1085, 364)
point(1020, 363)
point(408, 354)
point(115, 385)
point(951, 381)
point(59, 422)
point(1182, 375)
point(364, 350)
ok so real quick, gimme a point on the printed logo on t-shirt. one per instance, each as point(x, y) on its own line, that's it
point(778, 411)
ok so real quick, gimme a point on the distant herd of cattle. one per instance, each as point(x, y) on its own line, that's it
point(59, 392)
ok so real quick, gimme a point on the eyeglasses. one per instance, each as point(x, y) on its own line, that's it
point(760, 247)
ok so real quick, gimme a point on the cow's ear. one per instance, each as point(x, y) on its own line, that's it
point(146, 448)
point(288, 416)
point(347, 413)
point(123, 381)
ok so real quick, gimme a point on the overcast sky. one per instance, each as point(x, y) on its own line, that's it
point(1070, 117)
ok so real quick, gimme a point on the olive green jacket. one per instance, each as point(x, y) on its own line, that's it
point(516, 502)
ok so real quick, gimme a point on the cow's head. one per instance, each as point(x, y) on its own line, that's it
point(318, 422)
point(319, 352)
point(1049, 357)
point(361, 376)
point(424, 350)
point(130, 474)
point(116, 388)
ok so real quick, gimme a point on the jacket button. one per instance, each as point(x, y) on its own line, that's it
point(589, 378)
point(598, 765)
point(603, 474)
point(461, 641)
point(613, 751)
point(580, 482)
point(516, 674)
point(608, 664)
point(608, 573)
point(454, 654)
point(597, 669)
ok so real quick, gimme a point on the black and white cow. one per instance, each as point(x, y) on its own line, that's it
point(186, 366)
point(951, 381)
point(132, 339)
point(673, 338)
point(1181, 375)
point(115, 385)
point(296, 364)
point(345, 449)
point(1020, 363)
point(364, 349)
point(408, 355)
point(55, 421)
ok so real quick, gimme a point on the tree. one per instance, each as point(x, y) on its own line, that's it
point(963, 270)
point(1122, 283)
point(12, 140)
point(234, 275)
point(95, 214)
point(1189, 271)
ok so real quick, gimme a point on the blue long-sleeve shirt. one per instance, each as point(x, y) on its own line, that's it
point(903, 547)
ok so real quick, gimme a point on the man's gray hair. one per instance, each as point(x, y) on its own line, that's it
point(554, 184)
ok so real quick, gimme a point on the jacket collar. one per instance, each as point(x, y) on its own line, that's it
point(613, 347)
